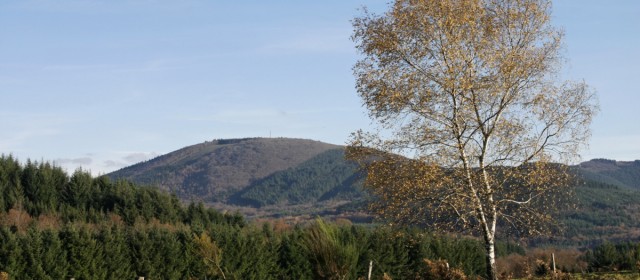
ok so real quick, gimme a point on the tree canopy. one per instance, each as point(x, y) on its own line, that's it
point(472, 116)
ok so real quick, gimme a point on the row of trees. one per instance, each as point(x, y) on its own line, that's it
point(614, 257)
point(62, 225)
point(56, 226)
point(42, 190)
point(318, 251)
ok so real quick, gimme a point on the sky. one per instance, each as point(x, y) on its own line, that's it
point(103, 84)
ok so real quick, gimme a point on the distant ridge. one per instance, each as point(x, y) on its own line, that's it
point(619, 173)
point(214, 170)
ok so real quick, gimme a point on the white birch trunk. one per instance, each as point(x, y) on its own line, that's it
point(492, 273)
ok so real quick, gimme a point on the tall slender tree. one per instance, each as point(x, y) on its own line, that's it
point(468, 91)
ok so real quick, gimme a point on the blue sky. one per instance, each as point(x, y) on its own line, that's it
point(103, 84)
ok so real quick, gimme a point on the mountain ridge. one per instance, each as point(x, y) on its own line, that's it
point(214, 170)
point(233, 170)
point(310, 178)
point(620, 173)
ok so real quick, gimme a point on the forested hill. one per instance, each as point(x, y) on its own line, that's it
point(213, 171)
point(265, 176)
point(260, 172)
point(618, 173)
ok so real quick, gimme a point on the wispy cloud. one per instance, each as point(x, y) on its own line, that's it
point(74, 161)
point(153, 65)
point(18, 128)
point(129, 158)
point(8, 80)
point(77, 67)
point(139, 157)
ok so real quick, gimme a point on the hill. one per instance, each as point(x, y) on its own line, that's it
point(619, 173)
point(292, 177)
point(326, 176)
point(603, 212)
point(214, 171)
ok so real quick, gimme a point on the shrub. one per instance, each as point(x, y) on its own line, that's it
point(440, 270)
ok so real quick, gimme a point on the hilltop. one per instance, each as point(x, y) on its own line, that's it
point(214, 170)
point(275, 174)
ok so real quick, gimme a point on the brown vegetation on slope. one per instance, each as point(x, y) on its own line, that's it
point(211, 171)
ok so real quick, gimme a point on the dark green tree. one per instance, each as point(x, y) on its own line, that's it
point(169, 251)
point(293, 259)
point(11, 253)
point(77, 191)
point(388, 251)
point(32, 253)
point(54, 257)
point(247, 254)
point(142, 254)
point(84, 253)
point(117, 255)
point(10, 181)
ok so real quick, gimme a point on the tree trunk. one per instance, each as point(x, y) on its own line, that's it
point(492, 272)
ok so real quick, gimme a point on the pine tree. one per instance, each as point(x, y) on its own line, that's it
point(142, 254)
point(77, 191)
point(11, 260)
point(387, 250)
point(169, 254)
point(84, 255)
point(117, 256)
point(32, 254)
point(293, 260)
point(53, 258)
point(12, 172)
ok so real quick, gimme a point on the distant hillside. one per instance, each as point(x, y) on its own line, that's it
point(213, 171)
point(618, 173)
point(603, 212)
point(324, 177)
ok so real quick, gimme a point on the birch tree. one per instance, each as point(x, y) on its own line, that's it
point(473, 124)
